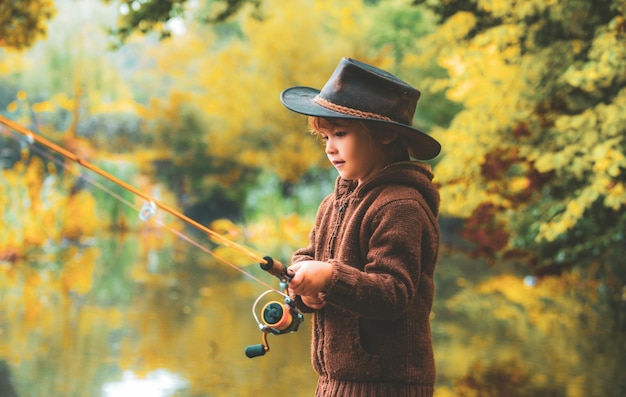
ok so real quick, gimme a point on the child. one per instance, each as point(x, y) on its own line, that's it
point(367, 273)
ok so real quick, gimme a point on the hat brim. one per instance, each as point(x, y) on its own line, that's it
point(299, 99)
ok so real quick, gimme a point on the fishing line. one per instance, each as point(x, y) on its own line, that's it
point(277, 318)
point(145, 212)
point(31, 136)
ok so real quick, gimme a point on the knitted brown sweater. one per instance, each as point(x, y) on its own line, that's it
point(372, 338)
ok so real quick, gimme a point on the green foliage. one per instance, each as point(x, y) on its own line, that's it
point(211, 187)
point(146, 16)
point(396, 34)
point(115, 204)
point(540, 140)
point(23, 22)
point(397, 28)
point(158, 15)
point(279, 198)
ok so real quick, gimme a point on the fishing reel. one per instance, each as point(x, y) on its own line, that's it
point(276, 318)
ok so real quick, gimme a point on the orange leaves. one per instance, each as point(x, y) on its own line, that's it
point(485, 230)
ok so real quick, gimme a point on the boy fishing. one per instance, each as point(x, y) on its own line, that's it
point(367, 272)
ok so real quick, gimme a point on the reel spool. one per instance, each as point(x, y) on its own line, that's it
point(279, 316)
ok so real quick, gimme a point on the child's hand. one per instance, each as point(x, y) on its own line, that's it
point(311, 278)
point(314, 302)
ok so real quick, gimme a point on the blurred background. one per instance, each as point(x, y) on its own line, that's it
point(179, 98)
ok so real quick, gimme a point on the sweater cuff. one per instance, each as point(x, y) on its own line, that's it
point(342, 282)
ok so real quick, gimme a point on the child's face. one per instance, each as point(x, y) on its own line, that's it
point(352, 150)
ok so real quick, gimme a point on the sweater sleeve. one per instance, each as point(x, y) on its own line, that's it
point(396, 246)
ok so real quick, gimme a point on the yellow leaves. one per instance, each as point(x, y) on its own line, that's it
point(179, 55)
point(616, 197)
point(498, 8)
point(80, 216)
point(231, 232)
point(541, 303)
point(552, 313)
point(456, 27)
point(33, 304)
point(281, 236)
point(607, 159)
point(11, 61)
point(35, 209)
point(518, 184)
point(497, 85)
point(122, 105)
point(45, 106)
point(599, 156)
point(63, 101)
point(575, 208)
point(484, 67)
point(15, 105)
point(225, 228)
point(237, 86)
point(479, 72)
point(462, 199)
point(78, 270)
point(509, 10)
point(605, 67)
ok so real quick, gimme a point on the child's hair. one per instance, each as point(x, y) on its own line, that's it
point(398, 147)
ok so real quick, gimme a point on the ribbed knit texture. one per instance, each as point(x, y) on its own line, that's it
point(338, 388)
point(373, 338)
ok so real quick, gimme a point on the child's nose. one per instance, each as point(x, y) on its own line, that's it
point(330, 148)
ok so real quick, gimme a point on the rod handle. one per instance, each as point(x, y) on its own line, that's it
point(276, 268)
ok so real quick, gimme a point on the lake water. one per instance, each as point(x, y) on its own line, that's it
point(127, 315)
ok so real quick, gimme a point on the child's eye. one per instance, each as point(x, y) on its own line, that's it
point(340, 133)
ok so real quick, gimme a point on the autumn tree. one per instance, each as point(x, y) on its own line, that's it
point(536, 161)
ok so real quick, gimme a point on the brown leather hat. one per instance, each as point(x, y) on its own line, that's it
point(357, 90)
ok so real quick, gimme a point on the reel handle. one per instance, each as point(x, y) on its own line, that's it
point(253, 351)
point(256, 350)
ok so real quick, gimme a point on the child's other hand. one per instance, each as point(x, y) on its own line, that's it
point(311, 278)
point(314, 302)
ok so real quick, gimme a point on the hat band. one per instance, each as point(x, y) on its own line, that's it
point(348, 111)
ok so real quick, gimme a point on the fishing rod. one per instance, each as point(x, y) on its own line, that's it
point(277, 318)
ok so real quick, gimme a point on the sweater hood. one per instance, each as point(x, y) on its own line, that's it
point(415, 174)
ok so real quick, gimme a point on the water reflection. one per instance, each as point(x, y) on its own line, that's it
point(117, 317)
point(146, 316)
point(160, 383)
